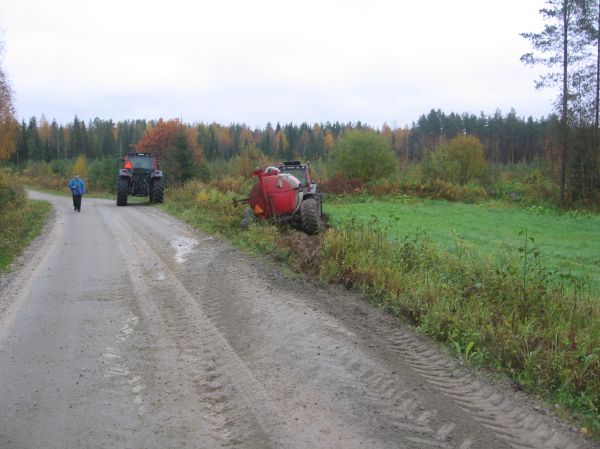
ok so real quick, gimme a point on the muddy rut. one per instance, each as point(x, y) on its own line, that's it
point(124, 328)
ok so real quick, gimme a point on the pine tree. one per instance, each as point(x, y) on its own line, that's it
point(559, 46)
point(590, 24)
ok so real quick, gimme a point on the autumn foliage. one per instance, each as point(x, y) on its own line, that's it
point(467, 153)
point(81, 166)
point(8, 124)
point(175, 145)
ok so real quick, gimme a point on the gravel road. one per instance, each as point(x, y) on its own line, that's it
point(123, 328)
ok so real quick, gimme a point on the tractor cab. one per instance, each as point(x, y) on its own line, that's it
point(301, 172)
point(140, 162)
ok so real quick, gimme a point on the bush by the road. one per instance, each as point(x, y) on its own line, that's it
point(20, 219)
point(99, 174)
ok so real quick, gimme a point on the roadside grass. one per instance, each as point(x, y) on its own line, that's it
point(568, 242)
point(21, 220)
point(211, 210)
point(504, 312)
point(501, 310)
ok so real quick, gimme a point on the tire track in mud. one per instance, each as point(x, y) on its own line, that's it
point(378, 397)
point(118, 366)
point(520, 428)
point(514, 422)
point(399, 407)
point(281, 425)
point(203, 359)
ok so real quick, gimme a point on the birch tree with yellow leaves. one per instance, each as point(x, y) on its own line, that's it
point(8, 124)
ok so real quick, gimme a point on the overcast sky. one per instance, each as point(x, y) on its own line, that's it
point(273, 61)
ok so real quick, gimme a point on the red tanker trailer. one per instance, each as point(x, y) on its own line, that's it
point(280, 196)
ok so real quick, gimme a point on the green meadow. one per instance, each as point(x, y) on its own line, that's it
point(569, 243)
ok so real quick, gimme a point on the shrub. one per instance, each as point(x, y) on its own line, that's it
point(81, 166)
point(363, 155)
point(385, 186)
point(537, 187)
point(20, 220)
point(340, 184)
point(102, 174)
point(466, 158)
point(61, 167)
point(12, 195)
point(438, 189)
point(48, 176)
point(249, 158)
point(238, 184)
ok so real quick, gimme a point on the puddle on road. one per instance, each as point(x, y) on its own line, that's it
point(183, 246)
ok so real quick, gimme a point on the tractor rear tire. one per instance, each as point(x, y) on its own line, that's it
point(311, 219)
point(122, 191)
point(157, 191)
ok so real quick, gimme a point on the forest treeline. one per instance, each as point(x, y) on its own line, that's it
point(507, 138)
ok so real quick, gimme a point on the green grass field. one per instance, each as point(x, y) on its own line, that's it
point(568, 243)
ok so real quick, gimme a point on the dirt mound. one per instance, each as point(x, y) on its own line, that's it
point(307, 249)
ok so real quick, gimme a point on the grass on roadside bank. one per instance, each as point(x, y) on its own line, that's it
point(505, 312)
point(21, 220)
point(212, 211)
point(567, 240)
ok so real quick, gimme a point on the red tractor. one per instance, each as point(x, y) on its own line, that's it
point(286, 194)
point(140, 176)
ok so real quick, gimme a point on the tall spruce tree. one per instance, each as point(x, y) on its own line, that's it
point(33, 140)
point(183, 161)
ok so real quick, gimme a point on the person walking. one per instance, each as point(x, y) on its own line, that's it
point(77, 187)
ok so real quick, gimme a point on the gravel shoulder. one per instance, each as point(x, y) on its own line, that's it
point(123, 327)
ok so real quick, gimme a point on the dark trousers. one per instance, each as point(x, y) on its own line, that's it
point(77, 202)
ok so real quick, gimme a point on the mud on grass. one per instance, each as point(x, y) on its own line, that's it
point(306, 250)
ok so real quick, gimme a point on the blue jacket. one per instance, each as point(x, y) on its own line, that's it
point(77, 186)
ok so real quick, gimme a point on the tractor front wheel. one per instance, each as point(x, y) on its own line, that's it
point(157, 191)
point(311, 219)
point(122, 191)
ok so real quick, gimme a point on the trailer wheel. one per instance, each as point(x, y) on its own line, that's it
point(311, 220)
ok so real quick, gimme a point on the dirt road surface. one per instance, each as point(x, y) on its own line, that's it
point(123, 328)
